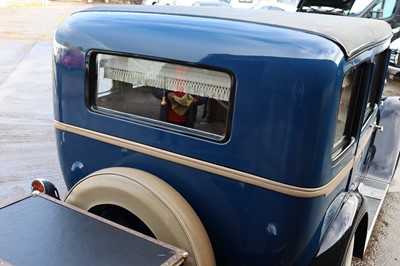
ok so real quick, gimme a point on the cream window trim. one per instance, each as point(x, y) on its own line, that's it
point(295, 191)
point(365, 138)
point(196, 81)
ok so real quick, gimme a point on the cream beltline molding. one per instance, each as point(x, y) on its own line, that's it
point(240, 176)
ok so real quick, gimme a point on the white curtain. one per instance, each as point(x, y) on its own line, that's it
point(196, 81)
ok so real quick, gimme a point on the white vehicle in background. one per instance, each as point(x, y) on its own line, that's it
point(244, 3)
point(394, 62)
point(187, 3)
point(211, 3)
point(281, 5)
point(175, 2)
point(276, 6)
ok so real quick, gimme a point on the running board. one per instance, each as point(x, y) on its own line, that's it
point(375, 192)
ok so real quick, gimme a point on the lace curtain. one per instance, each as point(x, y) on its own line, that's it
point(196, 81)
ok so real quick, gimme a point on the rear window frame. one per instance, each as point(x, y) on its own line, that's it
point(91, 96)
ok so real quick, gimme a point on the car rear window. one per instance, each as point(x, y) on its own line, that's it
point(176, 97)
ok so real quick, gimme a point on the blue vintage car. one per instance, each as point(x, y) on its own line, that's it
point(244, 137)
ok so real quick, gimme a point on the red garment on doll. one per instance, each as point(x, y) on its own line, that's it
point(174, 117)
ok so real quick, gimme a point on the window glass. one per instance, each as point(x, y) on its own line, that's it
point(387, 7)
point(375, 85)
point(184, 98)
point(344, 118)
point(371, 103)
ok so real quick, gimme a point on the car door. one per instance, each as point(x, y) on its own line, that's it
point(369, 116)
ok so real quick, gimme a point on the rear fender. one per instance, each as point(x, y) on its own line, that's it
point(347, 216)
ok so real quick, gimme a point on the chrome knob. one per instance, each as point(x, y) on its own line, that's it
point(378, 127)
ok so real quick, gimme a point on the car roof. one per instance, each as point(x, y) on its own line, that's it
point(353, 34)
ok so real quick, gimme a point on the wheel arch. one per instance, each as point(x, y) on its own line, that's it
point(168, 215)
point(350, 220)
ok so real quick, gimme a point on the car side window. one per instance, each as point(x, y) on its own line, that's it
point(377, 81)
point(345, 113)
point(173, 96)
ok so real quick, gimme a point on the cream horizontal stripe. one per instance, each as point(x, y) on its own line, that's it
point(240, 176)
point(363, 142)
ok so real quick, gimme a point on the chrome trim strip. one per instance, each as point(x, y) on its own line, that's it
point(300, 192)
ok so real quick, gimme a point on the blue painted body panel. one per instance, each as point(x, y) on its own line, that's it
point(384, 161)
point(286, 97)
point(246, 224)
point(282, 106)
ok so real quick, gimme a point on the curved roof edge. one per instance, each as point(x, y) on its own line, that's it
point(352, 34)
